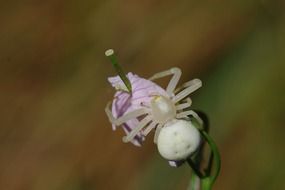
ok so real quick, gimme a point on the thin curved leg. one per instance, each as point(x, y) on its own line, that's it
point(184, 105)
point(176, 72)
point(149, 128)
point(124, 118)
point(186, 84)
point(190, 112)
point(191, 86)
point(157, 131)
point(137, 129)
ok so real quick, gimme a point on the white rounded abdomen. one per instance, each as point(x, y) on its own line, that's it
point(178, 139)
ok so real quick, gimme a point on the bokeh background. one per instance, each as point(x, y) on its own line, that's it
point(54, 134)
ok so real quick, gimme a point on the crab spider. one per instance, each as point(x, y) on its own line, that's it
point(163, 113)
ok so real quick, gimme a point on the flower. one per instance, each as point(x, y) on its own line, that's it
point(176, 140)
point(124, 102)
point(139, 103)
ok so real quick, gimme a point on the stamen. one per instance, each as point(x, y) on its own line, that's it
point(110, 53)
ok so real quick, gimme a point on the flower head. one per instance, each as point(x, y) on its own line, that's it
point(140, 105)
point(124, 102)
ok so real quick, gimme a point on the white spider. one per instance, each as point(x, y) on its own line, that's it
point(175, 136)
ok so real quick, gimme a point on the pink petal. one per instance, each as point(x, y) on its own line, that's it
point(142, 92)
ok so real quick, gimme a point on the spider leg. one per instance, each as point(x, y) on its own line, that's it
point(176, 72)
point(191, 86)
point(182, 106)
point(190, 112)
point(157, 131)
point(137, 129)
point(124, 118)
point(149, 128)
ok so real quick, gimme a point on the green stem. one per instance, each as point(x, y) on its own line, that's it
point(194, 182)
point(206, 183)
point(110, 54)
point(216, 158)
point(195, 168)
point(214, 162)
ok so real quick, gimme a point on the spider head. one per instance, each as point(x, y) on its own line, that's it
point(163, 109)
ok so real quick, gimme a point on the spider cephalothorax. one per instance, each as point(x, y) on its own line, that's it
point(165, 111)
point(162, 109)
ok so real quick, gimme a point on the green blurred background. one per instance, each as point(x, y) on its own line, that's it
point(54, 134)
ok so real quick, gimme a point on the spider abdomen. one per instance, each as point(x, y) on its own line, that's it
point(177, 140)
